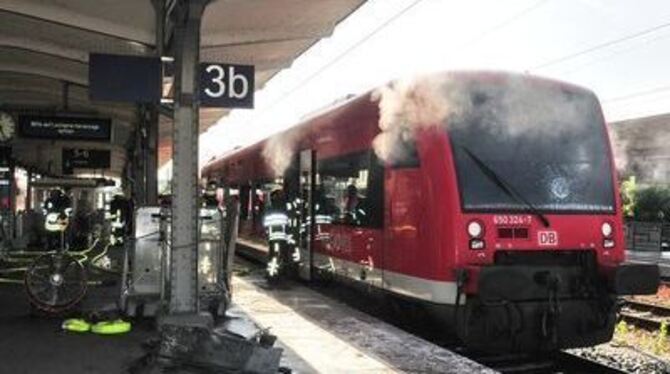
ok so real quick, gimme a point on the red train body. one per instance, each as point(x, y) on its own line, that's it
point(503, 219)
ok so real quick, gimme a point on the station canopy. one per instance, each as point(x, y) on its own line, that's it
point(45, 45)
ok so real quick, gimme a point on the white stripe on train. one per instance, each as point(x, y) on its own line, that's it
point(439, 292)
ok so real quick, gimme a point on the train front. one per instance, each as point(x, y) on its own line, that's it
point(539, 238)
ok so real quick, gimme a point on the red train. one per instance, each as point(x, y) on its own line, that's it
point(487, 197)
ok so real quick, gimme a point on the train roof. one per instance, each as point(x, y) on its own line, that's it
point(342, 117)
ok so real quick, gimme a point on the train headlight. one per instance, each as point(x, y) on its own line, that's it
point(475, 229)
point(607, 229)
point(608, 243)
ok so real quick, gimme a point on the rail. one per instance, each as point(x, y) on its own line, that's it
point(554, 362)
point(646, 315)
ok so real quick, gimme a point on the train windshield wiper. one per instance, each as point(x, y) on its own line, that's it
point(505, 186)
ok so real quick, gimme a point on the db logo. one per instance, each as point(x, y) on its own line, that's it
point(547, 238)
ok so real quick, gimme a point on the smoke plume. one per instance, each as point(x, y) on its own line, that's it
point(405, 106)
point(619, 146)
point(450, 100)
point(534, 107)
point(278, 150)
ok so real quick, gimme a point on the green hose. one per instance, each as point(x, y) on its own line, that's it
point(115, 327)
point(76, 325)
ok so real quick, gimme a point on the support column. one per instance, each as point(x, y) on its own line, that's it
point(138, 161)
point(151, 159)
point(12, 200)
point(29, 190)
point(184, 225)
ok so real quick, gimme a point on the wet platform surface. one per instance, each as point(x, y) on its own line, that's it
point(319, 335)
point(31, 344)
point(323, 335)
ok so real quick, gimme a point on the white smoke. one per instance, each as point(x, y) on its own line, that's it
point(442, 100)
point(619, 148)
point(407, 105)
point(278, 150)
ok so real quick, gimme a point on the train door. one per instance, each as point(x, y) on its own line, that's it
point(349, 216)
point(306, 183)
point(405, 206)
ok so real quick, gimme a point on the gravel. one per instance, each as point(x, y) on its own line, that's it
point(624, 358)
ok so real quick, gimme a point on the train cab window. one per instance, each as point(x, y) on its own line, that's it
point(350, 190)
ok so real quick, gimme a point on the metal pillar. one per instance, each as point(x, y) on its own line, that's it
point(136, 168)
point(184, 225)
point(151, 136)
point(29, 190)
point(151, 160)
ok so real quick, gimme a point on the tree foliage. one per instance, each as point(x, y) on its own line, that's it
point(652, 204)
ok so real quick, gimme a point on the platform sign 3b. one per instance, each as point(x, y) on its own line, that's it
point(226, 85)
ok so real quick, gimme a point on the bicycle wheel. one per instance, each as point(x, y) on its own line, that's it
point(55, 282)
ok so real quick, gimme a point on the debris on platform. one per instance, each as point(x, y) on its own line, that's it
point(192, 341)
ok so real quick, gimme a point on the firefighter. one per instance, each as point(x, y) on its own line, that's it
point(276, 223)
point(352, 206)
point(293, 231)
point(57, 209)
point(209, 196)
point(120, 210)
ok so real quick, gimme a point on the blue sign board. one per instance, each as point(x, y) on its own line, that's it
point(124, 78)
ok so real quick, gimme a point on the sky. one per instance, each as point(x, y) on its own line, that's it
point(620, 49)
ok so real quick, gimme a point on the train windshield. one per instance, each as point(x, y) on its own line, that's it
point(545, 143)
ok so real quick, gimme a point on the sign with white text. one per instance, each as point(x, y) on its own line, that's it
point(226, 85)
point(85, 159)
point(69, 128)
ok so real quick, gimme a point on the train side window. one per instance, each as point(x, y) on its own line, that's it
point(257, 202)
point(245, 202)
point(375, 202)
point(230, 192)
point(348, 192)
point(264, 192)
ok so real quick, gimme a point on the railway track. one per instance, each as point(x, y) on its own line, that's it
point(556, 362)
point(646, 315)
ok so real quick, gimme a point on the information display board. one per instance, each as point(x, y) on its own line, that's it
point(68, 128)
point(85, 159)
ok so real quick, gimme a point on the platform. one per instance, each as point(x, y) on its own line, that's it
point(322, 335)
point(661, 258)
point(318, 334)
point(36, 344)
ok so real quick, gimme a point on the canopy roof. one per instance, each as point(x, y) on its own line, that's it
point(44, 48)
